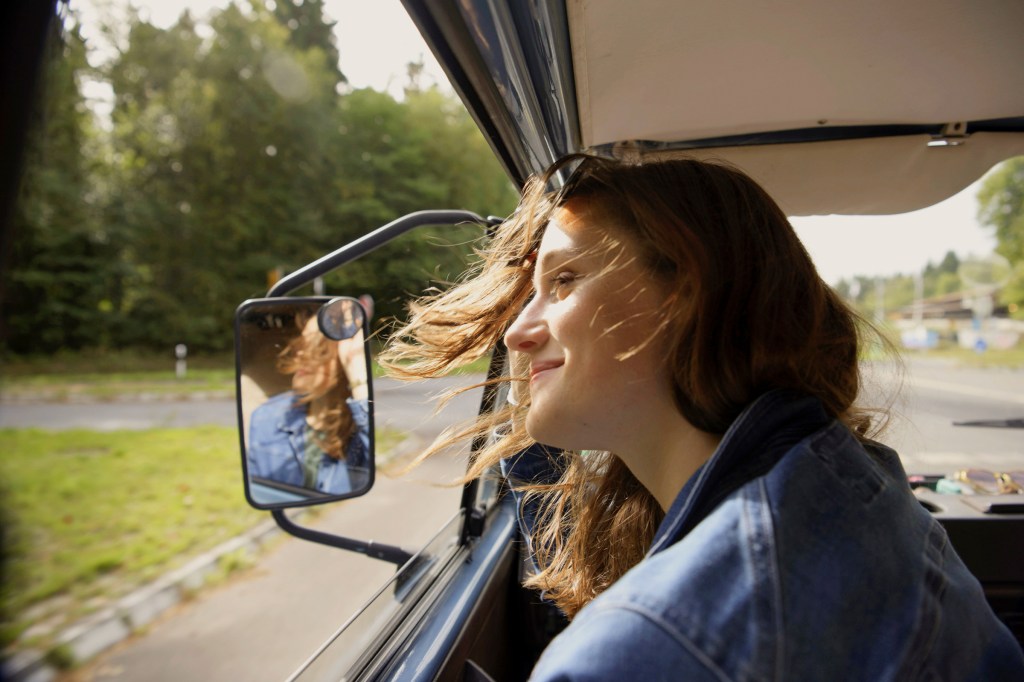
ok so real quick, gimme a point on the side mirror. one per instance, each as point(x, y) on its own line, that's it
point(304, 392)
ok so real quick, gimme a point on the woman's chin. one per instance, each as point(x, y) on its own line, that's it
point(548, 431)
point(538, 430)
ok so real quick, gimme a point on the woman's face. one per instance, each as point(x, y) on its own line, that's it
point(595, 373)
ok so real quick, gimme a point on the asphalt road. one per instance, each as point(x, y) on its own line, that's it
point(264, 624)
point(934, 396)
point(402, 405)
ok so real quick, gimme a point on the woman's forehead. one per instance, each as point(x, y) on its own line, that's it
point(571, 225)
point(575, 230)
point(561, 245)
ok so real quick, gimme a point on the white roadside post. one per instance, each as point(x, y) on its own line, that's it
point(181, 353)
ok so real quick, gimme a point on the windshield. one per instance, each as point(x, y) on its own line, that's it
point(939, 282)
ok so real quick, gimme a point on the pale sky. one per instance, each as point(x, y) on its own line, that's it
point(376, 39)
point(843, 246)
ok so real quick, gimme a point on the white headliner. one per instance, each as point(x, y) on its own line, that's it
point(874, 176)
point(665, 70)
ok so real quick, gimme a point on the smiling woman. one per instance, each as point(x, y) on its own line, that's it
point(693, 383)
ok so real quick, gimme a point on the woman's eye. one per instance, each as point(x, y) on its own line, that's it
point(562, 280)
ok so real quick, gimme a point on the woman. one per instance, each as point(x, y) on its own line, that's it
point(315, 435)
point(716, 511)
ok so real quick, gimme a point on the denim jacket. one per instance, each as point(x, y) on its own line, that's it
point(794, 553)
point(277, 442)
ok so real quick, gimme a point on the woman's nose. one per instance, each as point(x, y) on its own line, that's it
point(528, 331)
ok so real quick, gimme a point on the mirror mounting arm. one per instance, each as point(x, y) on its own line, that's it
point(372, 241)
point(389, 553)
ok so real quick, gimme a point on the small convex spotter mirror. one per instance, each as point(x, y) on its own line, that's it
point(303, 392)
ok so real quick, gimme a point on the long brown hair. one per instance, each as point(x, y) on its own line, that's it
point(745, 312)
point(318, 355)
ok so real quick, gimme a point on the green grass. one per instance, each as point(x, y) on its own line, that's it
point(89, 510)
point(478, 366)
point(385, 441)
point(107, 363)
point(89, 515)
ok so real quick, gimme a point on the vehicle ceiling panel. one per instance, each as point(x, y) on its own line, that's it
point(838, 108)
point(668, 70)
point(870, 176)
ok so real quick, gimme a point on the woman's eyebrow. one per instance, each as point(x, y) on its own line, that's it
point(563, 255)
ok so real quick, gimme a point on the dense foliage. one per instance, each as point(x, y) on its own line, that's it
point(887, 294)
point(1001, 208)
point(61, 258)
point(234, 152)
point(1001, 201)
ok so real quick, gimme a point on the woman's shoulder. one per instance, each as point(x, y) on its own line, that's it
point(282, 402)
point(286, 398)
point(279, 411)
point(696, 610)
point(765, 584)
point(828, 552)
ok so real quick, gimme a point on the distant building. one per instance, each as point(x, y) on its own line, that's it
point(956, 306)
point(951, 319)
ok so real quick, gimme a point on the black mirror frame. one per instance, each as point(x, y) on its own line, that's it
point(319, 499)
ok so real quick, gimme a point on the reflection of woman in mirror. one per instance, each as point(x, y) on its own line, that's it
point(315, 435)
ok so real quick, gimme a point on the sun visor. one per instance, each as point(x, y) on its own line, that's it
point(867, 176)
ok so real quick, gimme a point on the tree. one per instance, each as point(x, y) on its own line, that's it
point(221, 167)
point(1001, 208)
point(950, 263)
point(398, 157)
point(57, 292)
point(230, 154)
point(943, 278)
point(237, 156)
point(309, 29)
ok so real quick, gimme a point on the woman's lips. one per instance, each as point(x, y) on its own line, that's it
point(538, 368)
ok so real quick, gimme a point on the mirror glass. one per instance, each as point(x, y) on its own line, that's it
point(340, 318)
point(303, 383)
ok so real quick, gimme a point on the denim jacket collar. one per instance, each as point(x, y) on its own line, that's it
point(763, 432)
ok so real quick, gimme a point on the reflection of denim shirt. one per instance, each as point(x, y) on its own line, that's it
point(794, 553)
point(277, 441)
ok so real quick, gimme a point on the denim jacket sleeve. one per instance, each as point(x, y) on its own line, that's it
point(656, 652)
point(357, 452)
